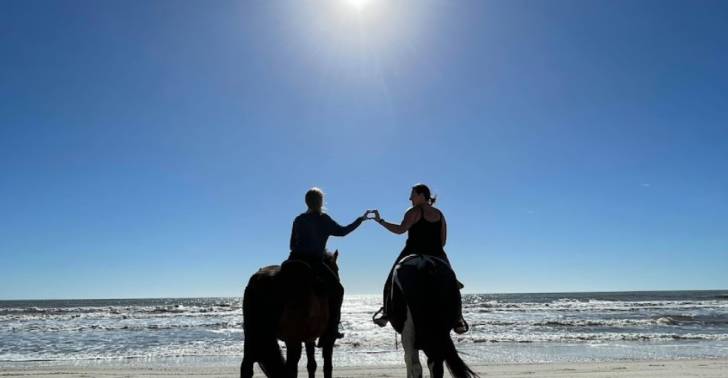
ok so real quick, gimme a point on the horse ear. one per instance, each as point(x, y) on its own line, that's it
point(336, 255)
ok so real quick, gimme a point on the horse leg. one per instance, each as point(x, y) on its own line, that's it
point(246, 368)
point(293, 356)
point(437, 369)
point(411, 355)
point(327, 351)
point(311, 357)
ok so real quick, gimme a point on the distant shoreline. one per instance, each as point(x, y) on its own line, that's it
point(465, 292)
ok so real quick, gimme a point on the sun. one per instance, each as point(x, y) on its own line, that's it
point(358, 3)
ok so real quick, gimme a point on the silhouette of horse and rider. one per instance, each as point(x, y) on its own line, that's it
point(300, 301)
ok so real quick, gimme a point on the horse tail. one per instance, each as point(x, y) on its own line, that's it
point(458, 368)
point(441, 347)
point(259, 327)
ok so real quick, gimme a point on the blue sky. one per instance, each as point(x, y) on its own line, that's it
point(163, 148)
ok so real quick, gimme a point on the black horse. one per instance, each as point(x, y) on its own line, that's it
point(287, 303)
point(425, 302)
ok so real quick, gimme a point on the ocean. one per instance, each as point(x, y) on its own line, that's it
point(554, 327)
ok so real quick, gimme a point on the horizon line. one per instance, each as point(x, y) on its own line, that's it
point(379, 294)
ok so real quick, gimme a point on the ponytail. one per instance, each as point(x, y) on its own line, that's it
point(423, 189)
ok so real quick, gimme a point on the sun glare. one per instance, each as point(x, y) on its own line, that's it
point(358, 3)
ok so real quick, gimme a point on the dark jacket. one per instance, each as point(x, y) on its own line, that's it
point(311, 231)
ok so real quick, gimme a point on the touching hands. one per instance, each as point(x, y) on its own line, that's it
point(374, 212)
point(376, 215)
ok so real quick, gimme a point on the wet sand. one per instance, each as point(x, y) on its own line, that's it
point(618, 369)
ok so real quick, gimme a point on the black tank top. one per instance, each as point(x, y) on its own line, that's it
point(424, 236)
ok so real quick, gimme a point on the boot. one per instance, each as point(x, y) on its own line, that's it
point(461, 326)
point(382, 320)
point(332, 334)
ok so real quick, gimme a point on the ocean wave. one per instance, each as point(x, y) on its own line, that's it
point(549, 337)
point(571, 305)
point(710, 320)
point(61, 325)
point(655, 320)
point(32, 327)
point(113, 316)
point(217, 349)
point(583, 337)
point(114, 312)
point(568, 323)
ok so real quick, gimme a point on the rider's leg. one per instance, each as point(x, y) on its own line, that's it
point(336, 299)
point(335, 303)
point(383, 319)
point(460, 325)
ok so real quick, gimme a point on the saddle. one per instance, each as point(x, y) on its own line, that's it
point(428, 269)
point(296, 274)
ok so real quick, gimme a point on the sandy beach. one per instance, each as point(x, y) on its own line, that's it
point(655, 368)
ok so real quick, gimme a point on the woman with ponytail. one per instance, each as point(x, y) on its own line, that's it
point(426, 235)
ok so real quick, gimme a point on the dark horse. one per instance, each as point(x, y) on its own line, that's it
point(425, 300)
point(285, 302)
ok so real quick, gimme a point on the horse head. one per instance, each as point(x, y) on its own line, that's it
point(330, 261)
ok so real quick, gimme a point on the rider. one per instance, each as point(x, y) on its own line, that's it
point(426, 234)
point(311, 231)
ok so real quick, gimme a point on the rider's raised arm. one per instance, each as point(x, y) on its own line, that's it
point(336, 229)
point(407, 222)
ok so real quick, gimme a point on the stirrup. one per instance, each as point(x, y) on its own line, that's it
point(326, 338)
point(382, 320)
point(461, 327)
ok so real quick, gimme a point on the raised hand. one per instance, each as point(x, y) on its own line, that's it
point(366, 215)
